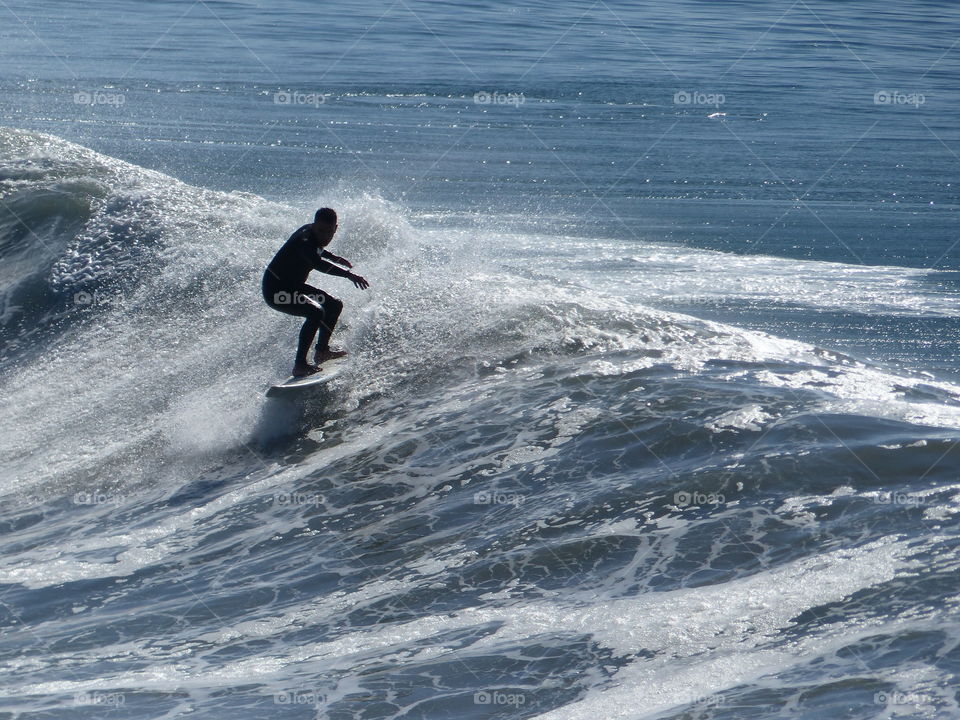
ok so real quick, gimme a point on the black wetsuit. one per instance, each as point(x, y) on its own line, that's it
point(285, 289)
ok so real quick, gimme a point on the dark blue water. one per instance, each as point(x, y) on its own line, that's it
point(654, 400)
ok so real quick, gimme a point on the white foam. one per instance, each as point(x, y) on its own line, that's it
point(707, 639)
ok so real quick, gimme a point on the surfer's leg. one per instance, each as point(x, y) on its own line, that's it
point(302, 302)
point(311, 303)
point(328, 309)
point(307, 333)
point(331, 313)
point(321, 312)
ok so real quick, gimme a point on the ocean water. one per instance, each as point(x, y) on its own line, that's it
point(655, 397)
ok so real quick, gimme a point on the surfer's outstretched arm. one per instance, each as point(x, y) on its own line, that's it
point(326, 254)
point(321, 265)
point(330, 269)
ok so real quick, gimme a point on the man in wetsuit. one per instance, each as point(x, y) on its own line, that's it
point(285, 288)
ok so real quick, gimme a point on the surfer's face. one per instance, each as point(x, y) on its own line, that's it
point(323, 232)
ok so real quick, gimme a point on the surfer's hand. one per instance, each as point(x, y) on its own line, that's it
point(342, 261)
point(359, 282)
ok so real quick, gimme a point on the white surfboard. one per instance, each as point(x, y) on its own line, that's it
point(328, 371)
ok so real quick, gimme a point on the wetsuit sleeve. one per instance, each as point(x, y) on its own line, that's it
point(318, 263)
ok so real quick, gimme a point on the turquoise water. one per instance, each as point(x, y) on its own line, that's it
point(655, 398)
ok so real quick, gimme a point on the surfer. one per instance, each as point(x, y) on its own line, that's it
point(285, 288)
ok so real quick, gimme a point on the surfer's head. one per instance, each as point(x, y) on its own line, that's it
point(324, 225)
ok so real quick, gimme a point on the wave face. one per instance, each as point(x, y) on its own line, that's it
point(545, 487)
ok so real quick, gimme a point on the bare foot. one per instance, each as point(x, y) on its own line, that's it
point(304, 369)
point(321, 356)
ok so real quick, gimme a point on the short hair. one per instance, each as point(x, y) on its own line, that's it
point(327, 216)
